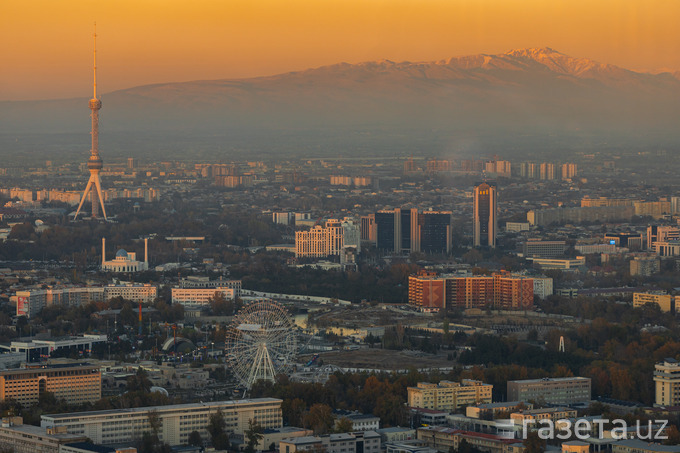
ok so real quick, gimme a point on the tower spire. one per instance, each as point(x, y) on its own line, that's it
point(95, 61)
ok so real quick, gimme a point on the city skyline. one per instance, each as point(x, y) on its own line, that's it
point(146, 43)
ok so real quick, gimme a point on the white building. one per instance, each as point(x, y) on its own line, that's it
point(177, 421)
point(196, 281)
point(125, 261)
point(144, 293)
point(200, 296)
point(31, 302)
point(543, 287)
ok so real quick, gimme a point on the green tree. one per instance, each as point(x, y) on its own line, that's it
point(319, 418)
point(253, 436)
point(344, 425)
point(216, 429)
point(533, 443)
point(195, 439)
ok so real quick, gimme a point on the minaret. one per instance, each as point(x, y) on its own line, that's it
point(103, 252)
point(146, 253)
point(94, 163)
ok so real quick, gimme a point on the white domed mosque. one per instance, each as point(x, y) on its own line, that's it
point(125, 261)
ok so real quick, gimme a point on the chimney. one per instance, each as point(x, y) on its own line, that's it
point(146, 253)
point(103, 251)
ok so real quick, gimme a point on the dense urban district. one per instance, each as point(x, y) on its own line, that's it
point(398, 305)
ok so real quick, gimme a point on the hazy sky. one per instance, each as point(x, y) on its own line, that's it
point(46, 45)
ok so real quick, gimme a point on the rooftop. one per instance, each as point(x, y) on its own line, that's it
point(144, 410)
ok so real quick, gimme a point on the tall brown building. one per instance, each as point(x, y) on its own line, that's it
point(430, 292)
point(485, 222)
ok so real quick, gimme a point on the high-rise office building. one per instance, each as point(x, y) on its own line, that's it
point(569, 171)
point(407, 230)
point(485, 222)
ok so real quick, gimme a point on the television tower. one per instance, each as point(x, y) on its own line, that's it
point(94, 163)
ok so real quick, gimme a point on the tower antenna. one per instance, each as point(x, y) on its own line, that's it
point(94, 96)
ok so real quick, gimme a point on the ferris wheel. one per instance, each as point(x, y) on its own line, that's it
point(261, 342)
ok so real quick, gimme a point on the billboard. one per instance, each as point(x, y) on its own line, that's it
point(22, 306)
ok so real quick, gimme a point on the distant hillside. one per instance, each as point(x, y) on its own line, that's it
point(524, 91)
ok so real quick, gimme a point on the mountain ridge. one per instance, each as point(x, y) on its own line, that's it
point(525, 91)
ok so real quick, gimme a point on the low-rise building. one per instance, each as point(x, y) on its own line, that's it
point(666, 302)
point(489, 411)
point(567, 390)
point(200, 297)
point(644, 267)
point(642, 446)
point(528, 417)
point(357, 442)
point(119, 426)
point(448, 395)
point(360, 422)
point(445, 439)
point(19, 438)
point(76, 384)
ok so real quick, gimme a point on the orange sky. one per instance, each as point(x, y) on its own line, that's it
point(45, 45)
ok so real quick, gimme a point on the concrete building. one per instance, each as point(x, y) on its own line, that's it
point(120, 426)
point(368, 229)
point(76, 384)
point(667, 383)
point(195, 281)
point(89, 447)
point(144, 293)
point(429, 291)
point(31, 302)
point(485, 215)
point(547, 413)
point(569, 171)
point(554, 263)
point(356, 442)
point(407, 230)
point(605, 202)
point(630, 240)
point(322, 241)
point(489, 411)
point(19, 438)
point(543, 286)
point(590, 249)
point(567, 390)
point(446, 439)
point(544, 249)
point(449, 395)
point(547, 171)
point(35, 349)
point(545, 217)
point(642, 446)
point(125, 261)
point(666, 302)
point(516, 227)
point(661, 233)
point(199, 297)
point(654, 209)
point(360, 422)
point(644, 267)
point(667, 248)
